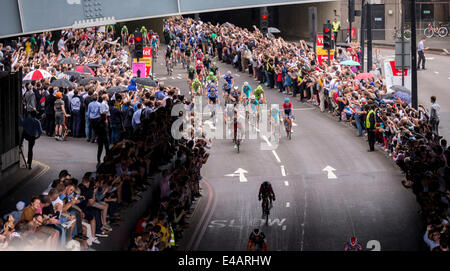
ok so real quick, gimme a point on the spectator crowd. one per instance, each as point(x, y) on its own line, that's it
point(137, 122)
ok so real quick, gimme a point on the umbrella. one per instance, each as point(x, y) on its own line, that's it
point(93, 65)
point(404, 96)
point(227, 24)
point(67, 61)
point(86, 81)
point(62, 83)
point(84, 69)
point(364, 76)
point(36, 75)
point(343, 45)
point(146, 81)
point(74, 73)
point(350, 63)
point(273, 30)
point(400, 88)
point(270, 35)
point(116, 89)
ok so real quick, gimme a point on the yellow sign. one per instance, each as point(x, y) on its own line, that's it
point(321, 51)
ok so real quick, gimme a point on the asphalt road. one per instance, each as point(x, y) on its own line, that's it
point(312, 211)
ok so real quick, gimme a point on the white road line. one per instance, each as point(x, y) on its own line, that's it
point(267, 140)
point(286, 183)
point(276, 156)
point(288, 204)
point(283, 172)
point(283, 228)
point(294, 124)
point(436, 72)
point(449, 78)
point(300, 109)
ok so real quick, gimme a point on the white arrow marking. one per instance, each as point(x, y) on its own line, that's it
point(294, 124)
point(429, 58)
point(286, 183)
point(276, 156)
point(267, 140)
point(436, 72)
point(288, 204)
point(330, 172)
point(283, 228)
point(283, 172)
point(239, 172)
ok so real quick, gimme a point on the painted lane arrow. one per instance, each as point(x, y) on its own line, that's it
point(330, 169)
point(239, 172)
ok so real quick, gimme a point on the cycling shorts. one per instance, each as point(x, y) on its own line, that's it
point(213, 99)
point(288, 111)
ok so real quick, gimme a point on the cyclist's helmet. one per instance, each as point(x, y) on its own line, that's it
point(236, 87)
point(206, 55)
point(211, 73)
point(266, 184)
point(353, 241)
point(212, 85)
point(199, 62)
point(256, 232)
point(199, 51)
point(286, 100)
point(245, 84)
point(214, 63)
point(252, 97)
point(191, 67)
point(228, 73)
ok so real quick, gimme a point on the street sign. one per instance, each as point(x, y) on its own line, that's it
point(322, 54)
point(147, 59)
point(398, 54)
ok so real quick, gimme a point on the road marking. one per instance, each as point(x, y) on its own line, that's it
point(283, 172)
point(222, 223)
point(286, 183)
point(429, 58)
point(301, 109)
point(436, 72)
point(173, 78)
point(288, 204)
point(239, 172)
point(449, 78)
point(163, 78)
point(294, 124)
point(283, 228)
point(329, 169)
point(267, 140)
point(276, 156)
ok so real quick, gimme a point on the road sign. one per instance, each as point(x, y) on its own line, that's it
point(147, 59)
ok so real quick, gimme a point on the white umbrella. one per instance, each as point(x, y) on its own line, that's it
point(273, 30)
point(37, 74)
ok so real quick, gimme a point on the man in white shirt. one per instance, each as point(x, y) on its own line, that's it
point(61, 44)
point(104, 107)
point(434, 115)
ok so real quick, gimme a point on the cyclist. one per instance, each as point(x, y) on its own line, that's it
point(246, 89)
point(236, 94)
point(199, 55)
point(237, 125)
point(169, 52)
point(275, 118)
point(196, 87)
point(287, 108)
point(206, 62)
point(259, 94)
point(353, 245)
point(265, 190)
point(211, 77)
point(226, 89)
point(188, 54)
point(229, 78)
point(190, 76)
point(257, 240)
point(214, 69)
point(199, 68)
point(253, 109)
point(213, 94)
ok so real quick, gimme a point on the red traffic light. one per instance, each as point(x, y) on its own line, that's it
point(138, 38)
point(264, 17)
point(326, 30)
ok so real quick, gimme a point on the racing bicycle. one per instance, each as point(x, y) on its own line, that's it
point(266, 209)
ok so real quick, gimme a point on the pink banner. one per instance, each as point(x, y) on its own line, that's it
point(139, 66)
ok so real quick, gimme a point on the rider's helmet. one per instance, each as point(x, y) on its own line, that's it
point(206, 56)
point(253, 97)
point(286, 100)
point(211, 73)
point(214, 63)
point(199, 62)
point(266, 184)
point(353, 241)
point(212, 85)
point(236, 87)
point(245, 84)
point(191, 67)
point(199, 50)
point(256, 232)
point(196, 81)
point(228, 73)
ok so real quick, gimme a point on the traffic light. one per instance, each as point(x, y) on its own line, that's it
point(351, 10)
point(264, 20)
point(327, 42)
point(138, 45)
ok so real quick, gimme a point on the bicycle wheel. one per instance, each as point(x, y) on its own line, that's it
point(428, 32)
point(238, 143)
point(443, 32)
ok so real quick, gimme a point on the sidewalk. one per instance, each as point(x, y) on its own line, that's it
point(437, 45)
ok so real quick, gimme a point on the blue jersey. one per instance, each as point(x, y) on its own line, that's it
point(212, 93)
point(276, 115)
point(247, 91)
point(228, 79)
point(254, 105)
